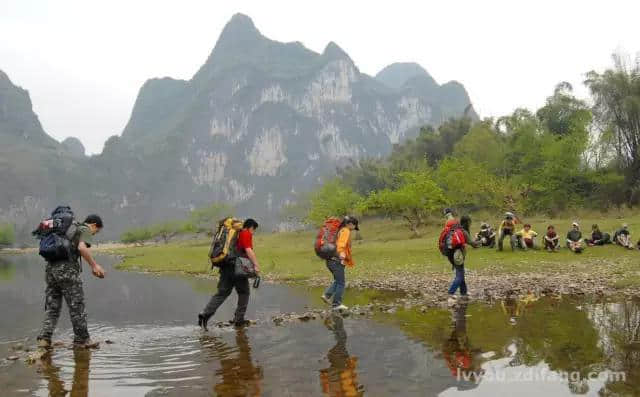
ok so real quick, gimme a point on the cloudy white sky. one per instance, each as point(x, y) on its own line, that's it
point(83, 61)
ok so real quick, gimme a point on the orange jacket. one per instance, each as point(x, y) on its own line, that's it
point(343, 246)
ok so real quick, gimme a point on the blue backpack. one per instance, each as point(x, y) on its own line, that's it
point(56, 236)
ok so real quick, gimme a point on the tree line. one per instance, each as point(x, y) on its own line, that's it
point(568, 154)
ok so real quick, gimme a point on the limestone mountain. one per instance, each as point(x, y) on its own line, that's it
point(260, 122)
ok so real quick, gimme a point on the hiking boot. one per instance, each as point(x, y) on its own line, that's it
point(452, 300)
point(464, 298)
point(325, 299)
point(340, 308)
point(202, 321)
point(44, 343)
point(87, 344)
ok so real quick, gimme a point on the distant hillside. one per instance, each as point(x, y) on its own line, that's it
point(260, 122)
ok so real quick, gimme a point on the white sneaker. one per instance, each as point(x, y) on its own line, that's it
point(325, 299)
point(340, 308)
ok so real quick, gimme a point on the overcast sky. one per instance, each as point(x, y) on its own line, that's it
point(84, 61)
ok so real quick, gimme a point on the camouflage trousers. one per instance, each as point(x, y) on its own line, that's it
point(63, 281)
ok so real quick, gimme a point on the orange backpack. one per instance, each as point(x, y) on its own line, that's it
point(325, 243)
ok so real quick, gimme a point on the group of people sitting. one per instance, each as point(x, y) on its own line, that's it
point(526, 238)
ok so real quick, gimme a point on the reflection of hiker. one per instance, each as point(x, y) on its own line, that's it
point(341, 378)
point(598, 237)
point(622, 237)
point(452, 244)
point(514, 308)
point(62, 273)
point(238, 375)
point(574, 238)
point(507, 228)
point(228, 280)
point(456, 350)
point(486, 236)
point(80, 385)
point(526, 238)
point(336, 264)
point(551, 239)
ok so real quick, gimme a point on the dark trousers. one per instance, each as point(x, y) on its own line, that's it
point(227, 282)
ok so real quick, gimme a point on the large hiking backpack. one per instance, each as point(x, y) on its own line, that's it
point(223, 246)
point(56, 236)
point(325, 243)
point(451, 237)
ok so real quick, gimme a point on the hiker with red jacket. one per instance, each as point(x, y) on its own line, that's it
point(336, 263)
point(453, 244)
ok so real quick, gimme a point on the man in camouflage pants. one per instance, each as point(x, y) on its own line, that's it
point(63, 281)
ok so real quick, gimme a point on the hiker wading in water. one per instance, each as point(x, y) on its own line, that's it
point(456, 257)
point(228, 279)
point(336, 265)
point(63, 281)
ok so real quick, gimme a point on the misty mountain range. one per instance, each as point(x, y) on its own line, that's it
point(258, 124)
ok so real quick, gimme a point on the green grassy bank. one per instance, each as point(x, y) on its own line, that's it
point(385, 248)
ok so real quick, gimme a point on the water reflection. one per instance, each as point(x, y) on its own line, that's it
point(80, 384)
point(237, 375)
point(457, 352)
point(7, 270)
point(341, 378)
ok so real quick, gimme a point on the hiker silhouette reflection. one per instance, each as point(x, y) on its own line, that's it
point(80, 383)
point(237, 375)
point(457, 351)
point(341, 378)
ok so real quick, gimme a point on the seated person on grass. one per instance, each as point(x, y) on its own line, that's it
point(622, 237)
point(598, 237)
point(526, 237)
point(574, 239)
point(486, 237)
point(551, 239)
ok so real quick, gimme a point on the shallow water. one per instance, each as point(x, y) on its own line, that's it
point(507, 349)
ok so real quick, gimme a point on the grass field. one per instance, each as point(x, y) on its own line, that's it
point(385, 248)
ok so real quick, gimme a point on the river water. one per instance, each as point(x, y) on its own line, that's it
point(524, 347)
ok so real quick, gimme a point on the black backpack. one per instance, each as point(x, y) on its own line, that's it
point(56, 236)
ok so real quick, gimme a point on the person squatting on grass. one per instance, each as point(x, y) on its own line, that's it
point(526, 238)
point(336, 265)
point(456, 257)
point(598, 237)
point(551, 239)
point(622, 237)
point(574, 238)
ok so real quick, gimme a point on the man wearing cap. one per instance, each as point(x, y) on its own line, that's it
point(507, 228)
point(337, 264)
point(622, 237)
point(574, 238)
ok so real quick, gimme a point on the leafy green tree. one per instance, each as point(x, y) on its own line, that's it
point(415, 199)
point(7, 235)
point(616, 94)
point(170, 229)
point(331, 199)
point(469, 185)
point(564, 114)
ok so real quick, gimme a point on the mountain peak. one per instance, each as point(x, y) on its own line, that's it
point(239, 28)
point(397, 74)
point(333, 51)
